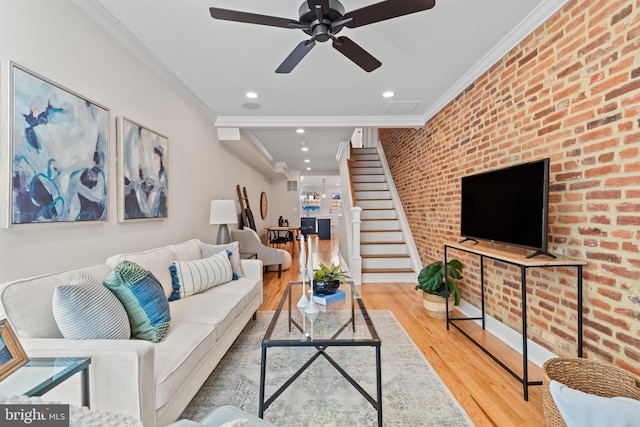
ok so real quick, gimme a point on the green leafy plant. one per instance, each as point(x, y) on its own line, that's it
point(431, 279)
point(327, 274)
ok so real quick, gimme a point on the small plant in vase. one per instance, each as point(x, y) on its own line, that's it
point(327, 280)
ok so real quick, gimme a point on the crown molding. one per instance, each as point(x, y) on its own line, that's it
point(320, 121)
point(96, 11)
point(537, 17)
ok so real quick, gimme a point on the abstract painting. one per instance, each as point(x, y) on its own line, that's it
point(142, 172)
point(59, 143)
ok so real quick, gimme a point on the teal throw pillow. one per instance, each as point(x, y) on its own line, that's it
point(143, 298)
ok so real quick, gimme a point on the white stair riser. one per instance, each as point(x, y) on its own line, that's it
point(368, 178)
point(378, 214)
point(370, 186)
point(386, 263)
point(384, 194)
point(366, 164)
point(380, 249)
point(365, 150)
point(374, 204)
point(387, 224)
point(381, 236)
point(388, 277)
point(366, 171)
point(365, 157)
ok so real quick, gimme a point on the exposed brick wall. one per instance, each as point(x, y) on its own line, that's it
point(570, 91)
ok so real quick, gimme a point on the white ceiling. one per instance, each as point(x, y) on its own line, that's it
point(427, 59)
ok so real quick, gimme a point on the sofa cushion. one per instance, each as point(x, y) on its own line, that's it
point(157, 261)
point(178, 356)
point(143, 298)
point(186, 251)
point(19, 305)
point(213, 307)
point(85, 309)
point(192, 277)
point(209, 249)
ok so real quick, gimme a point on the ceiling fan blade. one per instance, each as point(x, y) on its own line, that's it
point(354, 52)
point(296, 56)
point(386, 10)
point(251, 18)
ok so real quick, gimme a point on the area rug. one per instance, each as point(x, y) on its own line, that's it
point(412, 393)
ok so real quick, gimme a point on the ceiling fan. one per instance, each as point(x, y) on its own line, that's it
point(323, 19)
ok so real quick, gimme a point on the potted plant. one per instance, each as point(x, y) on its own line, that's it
point(326, 280)
point(431, 282)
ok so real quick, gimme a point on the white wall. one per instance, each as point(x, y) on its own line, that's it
point(56, 40)
point(285, 203)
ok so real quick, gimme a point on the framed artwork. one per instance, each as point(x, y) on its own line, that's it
point(142, 172)
point(12, 355)
point(59, 147)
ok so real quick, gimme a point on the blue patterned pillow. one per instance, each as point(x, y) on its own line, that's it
point(143, 298)
point(192, 277)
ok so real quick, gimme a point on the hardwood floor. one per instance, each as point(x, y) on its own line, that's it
point(490, 395)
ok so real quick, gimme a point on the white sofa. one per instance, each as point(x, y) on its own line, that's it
point(152, 382)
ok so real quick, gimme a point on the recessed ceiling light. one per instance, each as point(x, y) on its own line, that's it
point(388, 94)
point(300, 130)
point(305, 148)
point(308, 169)
point(251, 95)
point(307, 161)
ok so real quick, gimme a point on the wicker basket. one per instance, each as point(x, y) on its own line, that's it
point(589, 376)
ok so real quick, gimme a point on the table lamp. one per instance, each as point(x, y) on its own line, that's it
point(223, 212)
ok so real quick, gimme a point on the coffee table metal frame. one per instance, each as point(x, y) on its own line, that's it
point(321, 345)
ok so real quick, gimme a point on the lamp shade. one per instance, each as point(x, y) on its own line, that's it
point(223, 212)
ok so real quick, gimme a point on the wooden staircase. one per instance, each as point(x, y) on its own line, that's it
point(382, 246)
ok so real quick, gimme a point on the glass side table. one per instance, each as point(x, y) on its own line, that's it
point(41, 374)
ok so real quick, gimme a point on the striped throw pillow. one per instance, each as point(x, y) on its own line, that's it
point(84, 309)
point(192, 277)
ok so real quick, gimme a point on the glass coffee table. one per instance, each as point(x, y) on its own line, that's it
point(344, 323)
point(42, 374)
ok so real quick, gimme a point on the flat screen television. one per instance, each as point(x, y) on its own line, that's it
point(508, 206)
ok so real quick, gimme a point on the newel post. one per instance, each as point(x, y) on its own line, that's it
point(356, 259)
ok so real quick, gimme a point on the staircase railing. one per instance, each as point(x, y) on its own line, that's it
point(349, 223)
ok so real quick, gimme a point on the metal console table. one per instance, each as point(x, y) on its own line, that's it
point(519, 260)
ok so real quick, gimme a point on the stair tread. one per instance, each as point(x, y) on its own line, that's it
point(382, 242)
point(379, 219)
point(384, 256)
point(387, 270)
point(379, 231)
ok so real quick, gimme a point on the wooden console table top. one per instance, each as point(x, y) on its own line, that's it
point(514, 255)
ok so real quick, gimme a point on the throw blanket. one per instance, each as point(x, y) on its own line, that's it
point(580, 409)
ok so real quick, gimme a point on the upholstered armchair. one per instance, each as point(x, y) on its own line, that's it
point(250, 242)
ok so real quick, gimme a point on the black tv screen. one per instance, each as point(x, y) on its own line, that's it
point(508, 205)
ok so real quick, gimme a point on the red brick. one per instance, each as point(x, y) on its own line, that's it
point(631, 86)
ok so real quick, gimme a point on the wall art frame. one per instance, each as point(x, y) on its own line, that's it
point(59, 147)
point(143, 178)
point(12, 355)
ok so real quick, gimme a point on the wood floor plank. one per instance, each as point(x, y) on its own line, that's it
point(489, 394)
